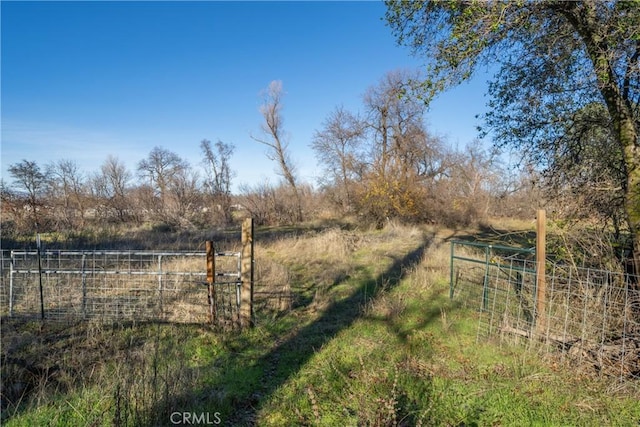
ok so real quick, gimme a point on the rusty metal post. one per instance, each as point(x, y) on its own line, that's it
point(246, 274)
point(211, 274)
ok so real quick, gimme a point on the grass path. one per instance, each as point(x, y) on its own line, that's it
point(292, 352)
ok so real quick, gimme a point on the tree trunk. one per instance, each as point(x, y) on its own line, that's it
point(583, 17)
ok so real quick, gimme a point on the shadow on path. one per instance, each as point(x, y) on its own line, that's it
point(293, 351)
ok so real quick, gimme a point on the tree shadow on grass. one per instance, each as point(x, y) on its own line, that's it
point(263, 376)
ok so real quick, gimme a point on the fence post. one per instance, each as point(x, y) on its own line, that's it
point(246, 273)
point(541, 284)
point(451, 290)
point(160, 286)
point(238, 289)
point(12, 268)
point(84, 285)
point(211, 274)
point(39, 255)
point(485, 282)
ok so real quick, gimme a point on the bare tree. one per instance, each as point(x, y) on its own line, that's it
point(218, 172)
point(11, 211)
point(184, 196)
point(474, 179)
point(28, 177)
point(68, 188)
point(337, 146)
point(395, 119)
point(110, 187)
point(161, 168)
point(275, 138)
point(261, 201)
point(402, 155)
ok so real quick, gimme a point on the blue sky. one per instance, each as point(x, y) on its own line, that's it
point(84, 80)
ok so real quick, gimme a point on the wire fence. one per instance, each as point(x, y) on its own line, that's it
point(5, 265)
point(589, 317)
point(104, 285)
point(110, 286)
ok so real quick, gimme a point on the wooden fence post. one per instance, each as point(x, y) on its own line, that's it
point(211, 274)
point(246, 273)
point(541, 284)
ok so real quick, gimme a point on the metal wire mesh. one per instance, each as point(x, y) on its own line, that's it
point(106, 285)
point(591, 317)
point(5, 265)
point(227, 289)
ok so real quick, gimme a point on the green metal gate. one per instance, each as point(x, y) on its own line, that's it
point(500, 281)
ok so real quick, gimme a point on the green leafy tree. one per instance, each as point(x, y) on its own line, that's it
point(554, 58)
point(586, 171)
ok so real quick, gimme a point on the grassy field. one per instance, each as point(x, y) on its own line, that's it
point(369, 337)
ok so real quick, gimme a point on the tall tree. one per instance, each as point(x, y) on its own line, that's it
point(68, 188)
point(184, 195)
point(586, 172)
point(218, 175)
point(276, 141)
point(30, 178)
point(555, 57)
point(111, 186)
point(401, 150)
point(338, 147)
point(474, 174)
point(162, 168)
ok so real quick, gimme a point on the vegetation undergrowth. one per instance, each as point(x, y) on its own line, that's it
point(371, 338)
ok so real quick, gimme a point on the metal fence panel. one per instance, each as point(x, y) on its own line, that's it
point(106, 285)
point(592, 316)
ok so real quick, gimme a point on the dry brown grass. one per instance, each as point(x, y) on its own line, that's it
point(272, 287)
point(409, 357)
point(332, 244)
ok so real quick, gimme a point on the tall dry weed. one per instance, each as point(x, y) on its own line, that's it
point(434, 266)
point(330, 245)
point(272, 286)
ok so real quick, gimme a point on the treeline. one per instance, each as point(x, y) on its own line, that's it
point(466, 187)
point(380, 163)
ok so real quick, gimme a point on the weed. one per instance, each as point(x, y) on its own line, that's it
point(369, 336)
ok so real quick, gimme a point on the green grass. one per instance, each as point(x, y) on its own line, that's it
point(372, 339)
